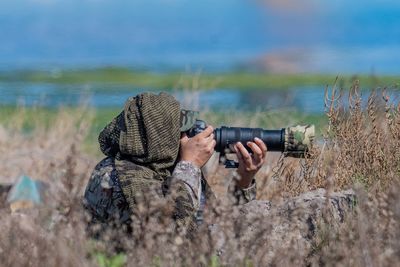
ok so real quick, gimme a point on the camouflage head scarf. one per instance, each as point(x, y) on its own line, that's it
point(144, 140)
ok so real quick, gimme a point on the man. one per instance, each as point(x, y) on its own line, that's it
point(148, 153)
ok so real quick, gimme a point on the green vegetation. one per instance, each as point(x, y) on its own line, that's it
point(361, 151)
point(176, 80)
point(118, 260)
point(27, 119)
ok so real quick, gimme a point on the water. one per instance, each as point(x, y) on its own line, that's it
point(317, 36)
point(304, 99)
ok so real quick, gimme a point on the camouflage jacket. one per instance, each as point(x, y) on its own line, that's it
point(105, 201)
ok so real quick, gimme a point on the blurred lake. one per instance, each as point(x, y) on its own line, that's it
point(304, 99)
point(268, 36)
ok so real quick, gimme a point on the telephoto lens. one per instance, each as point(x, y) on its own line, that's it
point(226, 136)
point(292, 141)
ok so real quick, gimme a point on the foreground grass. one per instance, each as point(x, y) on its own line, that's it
point(176, 80)
point(361, 151)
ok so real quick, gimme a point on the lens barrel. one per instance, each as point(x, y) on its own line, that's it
point(226, 136)
point(293, 141)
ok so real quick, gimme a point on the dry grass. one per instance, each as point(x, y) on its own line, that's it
point(360, 150)
point(53, 234)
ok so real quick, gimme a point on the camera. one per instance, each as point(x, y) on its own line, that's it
point(293, 141)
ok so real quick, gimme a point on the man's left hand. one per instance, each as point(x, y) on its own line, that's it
point(249, 164)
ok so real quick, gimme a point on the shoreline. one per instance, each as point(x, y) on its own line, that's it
point(238, 80)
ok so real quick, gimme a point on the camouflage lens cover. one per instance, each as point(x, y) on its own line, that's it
point(188, 119)
point(298, 140)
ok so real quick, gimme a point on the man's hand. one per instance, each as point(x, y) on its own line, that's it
point(249, 164)
point(199, 148)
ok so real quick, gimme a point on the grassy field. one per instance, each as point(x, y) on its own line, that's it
point(358, 148)
point(176, 80)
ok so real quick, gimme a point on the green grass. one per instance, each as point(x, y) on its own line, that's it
point(118, 260)
point(29, 118)
point(176, 80)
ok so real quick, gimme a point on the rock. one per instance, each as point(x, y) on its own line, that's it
point(266, 232)
point(277, 226)
point(309, 205)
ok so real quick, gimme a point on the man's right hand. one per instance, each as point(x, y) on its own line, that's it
point(199, 148)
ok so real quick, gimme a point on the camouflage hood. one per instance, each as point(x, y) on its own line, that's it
point(146, 132)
